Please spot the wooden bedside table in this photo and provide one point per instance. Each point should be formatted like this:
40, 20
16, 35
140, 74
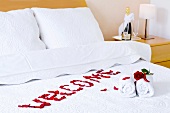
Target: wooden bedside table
160, 50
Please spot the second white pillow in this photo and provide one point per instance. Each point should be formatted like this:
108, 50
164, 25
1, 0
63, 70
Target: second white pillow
67, 27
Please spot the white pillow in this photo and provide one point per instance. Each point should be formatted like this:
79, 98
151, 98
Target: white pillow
67, 27
19, 32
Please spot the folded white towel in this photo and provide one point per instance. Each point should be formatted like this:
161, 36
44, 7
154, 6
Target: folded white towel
127, 86
145, 89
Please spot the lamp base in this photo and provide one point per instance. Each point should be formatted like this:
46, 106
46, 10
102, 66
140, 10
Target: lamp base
147, 38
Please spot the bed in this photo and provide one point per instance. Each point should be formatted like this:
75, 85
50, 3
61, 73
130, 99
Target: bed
76, 79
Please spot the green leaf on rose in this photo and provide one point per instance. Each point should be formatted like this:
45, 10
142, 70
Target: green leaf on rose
146, 71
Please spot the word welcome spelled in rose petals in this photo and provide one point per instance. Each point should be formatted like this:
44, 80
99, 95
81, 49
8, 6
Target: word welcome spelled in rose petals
57, 95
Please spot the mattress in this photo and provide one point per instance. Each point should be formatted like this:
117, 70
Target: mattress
90, 99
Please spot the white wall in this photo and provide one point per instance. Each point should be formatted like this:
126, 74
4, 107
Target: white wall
161, 25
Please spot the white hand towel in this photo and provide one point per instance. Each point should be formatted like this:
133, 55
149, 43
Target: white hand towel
145, 89
127, 86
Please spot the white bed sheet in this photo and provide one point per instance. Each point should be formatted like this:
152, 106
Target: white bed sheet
91, 100
43, 64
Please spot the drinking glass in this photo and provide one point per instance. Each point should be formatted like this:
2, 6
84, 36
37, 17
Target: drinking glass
135, 29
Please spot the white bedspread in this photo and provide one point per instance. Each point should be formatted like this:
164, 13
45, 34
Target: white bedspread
91, 100
20, 68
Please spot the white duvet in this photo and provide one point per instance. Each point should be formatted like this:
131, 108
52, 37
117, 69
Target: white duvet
52, 63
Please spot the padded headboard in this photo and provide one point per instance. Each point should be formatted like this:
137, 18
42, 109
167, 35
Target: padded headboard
6, 5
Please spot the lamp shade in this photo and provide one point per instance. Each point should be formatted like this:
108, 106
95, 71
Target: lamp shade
147, 11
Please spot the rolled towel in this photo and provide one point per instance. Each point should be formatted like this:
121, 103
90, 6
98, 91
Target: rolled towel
127, 86
144, 88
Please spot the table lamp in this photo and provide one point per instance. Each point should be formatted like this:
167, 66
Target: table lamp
147, 12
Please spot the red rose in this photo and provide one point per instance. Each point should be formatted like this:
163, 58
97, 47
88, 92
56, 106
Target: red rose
138, 75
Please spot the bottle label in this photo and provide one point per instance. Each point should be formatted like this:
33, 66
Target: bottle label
126, 36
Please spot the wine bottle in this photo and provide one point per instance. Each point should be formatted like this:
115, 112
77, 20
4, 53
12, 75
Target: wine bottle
127, 33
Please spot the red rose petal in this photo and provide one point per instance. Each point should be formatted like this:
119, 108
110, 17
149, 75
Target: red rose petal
145, 79
108, 73
41, 106
105, 89
24, 106
59, 99
63, 87
44, 95
118, 72
105, 76
79, 89
115, 88
125, 78
94, 80
99, 71
55, 92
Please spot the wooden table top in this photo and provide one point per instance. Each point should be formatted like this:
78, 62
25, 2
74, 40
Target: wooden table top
157, 41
